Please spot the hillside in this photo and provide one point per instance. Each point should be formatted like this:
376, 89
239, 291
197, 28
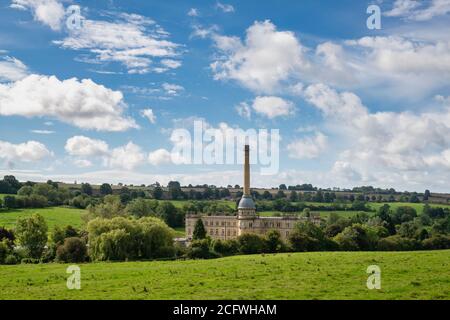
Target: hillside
330, 275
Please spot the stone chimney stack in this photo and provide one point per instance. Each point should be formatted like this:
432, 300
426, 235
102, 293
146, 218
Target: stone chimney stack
247, 170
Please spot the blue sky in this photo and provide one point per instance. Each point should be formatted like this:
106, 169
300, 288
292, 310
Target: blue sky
354, 106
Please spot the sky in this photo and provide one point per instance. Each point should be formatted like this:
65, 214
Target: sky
91, 91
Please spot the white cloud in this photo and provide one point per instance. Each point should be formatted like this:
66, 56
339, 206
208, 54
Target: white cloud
84, 103
82, 163
42, 131
132, 40
126, 157
193, 12
172, 89
266, 58
227, 8
408, 146
86, 147
160, 156
29, 151
402, 8
309, 147
243, 109
272, 107
48, 12
416, 10
148, 113
12, 69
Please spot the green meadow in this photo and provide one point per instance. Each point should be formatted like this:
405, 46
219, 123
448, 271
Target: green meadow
316, 275
54, 216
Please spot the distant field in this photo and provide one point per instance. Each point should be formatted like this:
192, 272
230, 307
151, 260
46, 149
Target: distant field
61, 216
181, 203
318, 275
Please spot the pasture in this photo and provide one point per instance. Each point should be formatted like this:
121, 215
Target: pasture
315, 275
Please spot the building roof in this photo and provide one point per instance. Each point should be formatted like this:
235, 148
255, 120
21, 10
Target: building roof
246, 203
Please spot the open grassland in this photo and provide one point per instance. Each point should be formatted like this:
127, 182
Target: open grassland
54, 216
320, 275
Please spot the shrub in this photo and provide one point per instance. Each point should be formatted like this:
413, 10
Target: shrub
251, 243
436, 242
73, 250
199, 249
6, 234
4, 250
11, 259
357, 237
397, 243
199, 230
226, 248
301, 242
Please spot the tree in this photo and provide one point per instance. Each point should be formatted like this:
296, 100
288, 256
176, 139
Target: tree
13, 182
282, 187
157, 193
251, 243
426, 195
86, 188
199, 230
293, 196
32, 234
170, 214
141, 207
9, 202
73, 250
174, 190
106, 189
274, 242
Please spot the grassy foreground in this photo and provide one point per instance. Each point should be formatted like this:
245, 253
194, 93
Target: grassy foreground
330, 275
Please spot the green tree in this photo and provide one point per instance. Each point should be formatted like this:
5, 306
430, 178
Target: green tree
106, 189
199, 230
86, 188
157, 193
32, 234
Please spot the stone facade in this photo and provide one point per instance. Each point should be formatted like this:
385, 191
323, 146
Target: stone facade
231, 227
246, 220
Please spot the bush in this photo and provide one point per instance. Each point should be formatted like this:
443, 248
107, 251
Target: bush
436, 242
11, 259
6, 234
73, 250
301, 242
199, 249
4, 250
397, 243
226, 248
274, 242
251, 243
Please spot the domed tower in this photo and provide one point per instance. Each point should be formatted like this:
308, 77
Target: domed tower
246, 208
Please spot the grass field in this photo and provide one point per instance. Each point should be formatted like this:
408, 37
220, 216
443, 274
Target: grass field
61, 216
330, 275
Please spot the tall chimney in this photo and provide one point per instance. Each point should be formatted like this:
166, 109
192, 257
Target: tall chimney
247, 171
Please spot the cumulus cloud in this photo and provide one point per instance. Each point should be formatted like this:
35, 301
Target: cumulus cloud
12, 69
243, 109
48, 12
125, 157
193, 12
262, 61
82, 163
172, 89
272, 107
381, 143
86, 147
227, 8
419, 10
29, 151
309, 147
81, 103
148, 113
160, 156
132, 40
